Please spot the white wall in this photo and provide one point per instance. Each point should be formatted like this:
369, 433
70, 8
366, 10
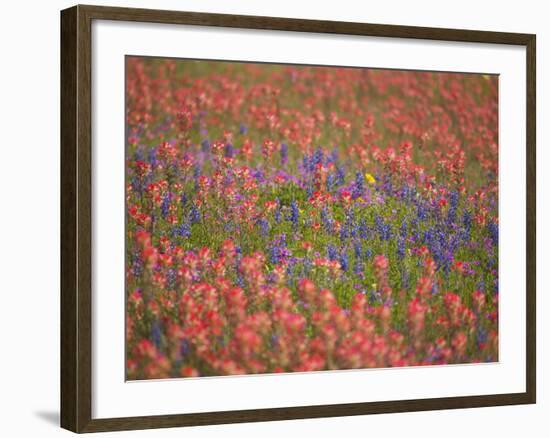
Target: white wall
29, 215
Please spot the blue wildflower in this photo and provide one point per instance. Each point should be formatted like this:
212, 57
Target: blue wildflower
284, 154
344, 261
184, 230
165, 206
332, 252
492, 228
358, 186
152, 157
294, 214
229, 150
384, 229
358, 249
277, 213
205, 146
194, 215
156, 333
331, 180
264, 227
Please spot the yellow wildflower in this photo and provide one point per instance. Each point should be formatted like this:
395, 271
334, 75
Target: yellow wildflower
369, 178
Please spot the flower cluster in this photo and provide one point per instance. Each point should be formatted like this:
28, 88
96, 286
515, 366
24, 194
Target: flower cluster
287, 218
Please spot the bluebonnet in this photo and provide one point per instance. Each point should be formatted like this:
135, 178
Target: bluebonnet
422, 211
290, 272
136, 185
284, 154
453, 206
294, 214
386, 185
240, 280
442, 246
184, 230
368, 253
332, 252
274, 256
403, 229
408, 193
481, 336
138, 154
344, 233
277, 213
152, 157
350, 225
184, 347
317, 158
264, 227
358, 249
165, 206
340, 175
383, 229
197, 169
258, 174
137, 264
434, 244
453, 242
373, 296
492, 228
277, 249
196, 174
344, 261
205, 146
305, 164
354, 229
467, 226
401, 247
156, 333
405, 277
171, 277
229, 150
363, 229
327, 221
401, 240
307, 264
333, 156
358, 186
194, 215
359, 268
331, 179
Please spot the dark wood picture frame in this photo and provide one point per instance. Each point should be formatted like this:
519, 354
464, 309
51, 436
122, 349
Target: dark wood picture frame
76, 218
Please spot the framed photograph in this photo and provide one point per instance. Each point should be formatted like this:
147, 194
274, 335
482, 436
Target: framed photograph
271, 218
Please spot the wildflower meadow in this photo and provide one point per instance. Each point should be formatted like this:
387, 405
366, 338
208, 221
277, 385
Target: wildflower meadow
284, 218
